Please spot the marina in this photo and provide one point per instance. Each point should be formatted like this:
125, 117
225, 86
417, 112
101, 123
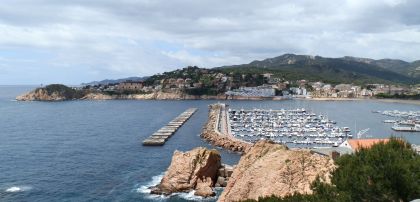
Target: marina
162, 135
295, 127
405, 121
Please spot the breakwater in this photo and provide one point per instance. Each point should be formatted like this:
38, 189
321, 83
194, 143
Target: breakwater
217, 131
162, 135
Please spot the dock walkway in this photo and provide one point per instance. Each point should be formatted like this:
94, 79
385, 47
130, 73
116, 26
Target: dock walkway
162, 135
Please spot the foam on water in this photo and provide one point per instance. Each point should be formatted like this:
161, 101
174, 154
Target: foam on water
191, 197
146, 189
18, 189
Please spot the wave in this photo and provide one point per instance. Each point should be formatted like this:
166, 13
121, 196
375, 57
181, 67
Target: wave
18, 189
145, 189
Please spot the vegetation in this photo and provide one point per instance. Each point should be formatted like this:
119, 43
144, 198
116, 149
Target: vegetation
63, 90
399, 96
124, 92
329, 70
209, 80
386, 172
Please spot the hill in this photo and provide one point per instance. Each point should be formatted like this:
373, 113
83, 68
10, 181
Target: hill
333, 70
113, 81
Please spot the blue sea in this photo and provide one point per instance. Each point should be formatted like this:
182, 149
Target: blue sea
92, 151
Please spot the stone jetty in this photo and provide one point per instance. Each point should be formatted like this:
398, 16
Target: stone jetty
162, 135
216, 130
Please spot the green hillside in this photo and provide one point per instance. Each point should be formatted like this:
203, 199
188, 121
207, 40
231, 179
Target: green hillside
333, 70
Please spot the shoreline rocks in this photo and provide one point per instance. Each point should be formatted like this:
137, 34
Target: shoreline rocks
225, 141
272, 169
223, 175
193, 170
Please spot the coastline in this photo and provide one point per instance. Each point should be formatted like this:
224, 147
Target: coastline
415, 102
44, 96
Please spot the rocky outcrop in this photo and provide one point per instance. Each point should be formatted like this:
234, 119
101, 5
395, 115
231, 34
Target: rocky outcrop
223, 175
97, 96
53, 92
215, 137
40, 94
193, 170
272, 169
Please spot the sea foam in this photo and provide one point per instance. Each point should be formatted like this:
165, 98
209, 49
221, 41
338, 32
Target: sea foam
18, 189
145, 189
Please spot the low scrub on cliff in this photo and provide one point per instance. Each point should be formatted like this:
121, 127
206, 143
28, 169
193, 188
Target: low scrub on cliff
386, 172
63, 90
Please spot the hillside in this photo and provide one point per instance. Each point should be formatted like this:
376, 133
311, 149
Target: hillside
333, 70
113, 81
399, 66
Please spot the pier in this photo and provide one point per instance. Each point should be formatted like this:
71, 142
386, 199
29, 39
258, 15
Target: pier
162, 135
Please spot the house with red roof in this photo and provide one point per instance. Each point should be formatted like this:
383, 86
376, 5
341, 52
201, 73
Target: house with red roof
356, 144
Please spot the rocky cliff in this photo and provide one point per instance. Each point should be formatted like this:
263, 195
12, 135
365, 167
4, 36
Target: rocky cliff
215, 137
53, 92
272, 169
193, 170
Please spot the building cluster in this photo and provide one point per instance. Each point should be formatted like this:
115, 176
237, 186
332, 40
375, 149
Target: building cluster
354, 91
321, 89
259, 91
249, 85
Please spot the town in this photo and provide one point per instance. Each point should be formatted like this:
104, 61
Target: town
200, 81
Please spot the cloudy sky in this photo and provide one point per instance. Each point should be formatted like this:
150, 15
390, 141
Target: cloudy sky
55, 41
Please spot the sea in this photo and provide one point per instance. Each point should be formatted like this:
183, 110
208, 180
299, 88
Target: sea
92, 150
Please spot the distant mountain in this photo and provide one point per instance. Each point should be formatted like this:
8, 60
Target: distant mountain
111, 81
399, 66
334, 70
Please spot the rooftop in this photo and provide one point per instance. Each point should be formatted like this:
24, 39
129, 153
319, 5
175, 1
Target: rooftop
357, 144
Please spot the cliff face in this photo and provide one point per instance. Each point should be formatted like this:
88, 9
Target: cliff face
52, 92
42, 95
271, 169
193, 170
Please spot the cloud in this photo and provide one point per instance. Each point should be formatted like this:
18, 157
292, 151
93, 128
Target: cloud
110, 39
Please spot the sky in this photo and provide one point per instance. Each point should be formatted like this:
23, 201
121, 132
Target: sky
70, 42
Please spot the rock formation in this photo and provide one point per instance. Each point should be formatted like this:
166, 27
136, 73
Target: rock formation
193, 170
271, 169
216, 138
225, 172
53, 92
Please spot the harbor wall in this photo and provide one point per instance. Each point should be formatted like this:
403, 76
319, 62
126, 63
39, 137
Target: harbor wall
212, 134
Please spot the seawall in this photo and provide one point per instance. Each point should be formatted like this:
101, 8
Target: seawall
217, 133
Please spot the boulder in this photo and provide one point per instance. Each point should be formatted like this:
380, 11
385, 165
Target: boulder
193, 170
220, 181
